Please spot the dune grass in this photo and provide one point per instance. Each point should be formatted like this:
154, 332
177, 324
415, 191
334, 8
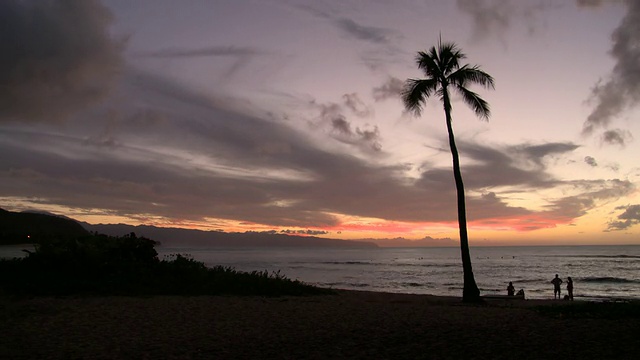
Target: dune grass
129, 265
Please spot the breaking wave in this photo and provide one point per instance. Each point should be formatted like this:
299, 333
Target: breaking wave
608, 279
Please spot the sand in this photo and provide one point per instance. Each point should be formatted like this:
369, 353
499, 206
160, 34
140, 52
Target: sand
349, 325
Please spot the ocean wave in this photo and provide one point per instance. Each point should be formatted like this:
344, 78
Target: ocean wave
332, 284
609, 279
350, 263
531, 281
392, 264
587, 256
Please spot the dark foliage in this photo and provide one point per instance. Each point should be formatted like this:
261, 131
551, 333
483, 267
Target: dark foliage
129, 265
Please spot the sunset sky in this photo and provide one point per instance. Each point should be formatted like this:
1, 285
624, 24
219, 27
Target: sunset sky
285, 115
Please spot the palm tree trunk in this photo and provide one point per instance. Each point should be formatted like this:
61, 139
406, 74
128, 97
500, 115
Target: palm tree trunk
470, 291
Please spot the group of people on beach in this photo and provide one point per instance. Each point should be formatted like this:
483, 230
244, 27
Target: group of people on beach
557, 290
557, 282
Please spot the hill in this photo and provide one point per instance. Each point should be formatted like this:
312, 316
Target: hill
23, 227
176, 237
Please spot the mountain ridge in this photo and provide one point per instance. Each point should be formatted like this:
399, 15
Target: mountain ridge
178, 237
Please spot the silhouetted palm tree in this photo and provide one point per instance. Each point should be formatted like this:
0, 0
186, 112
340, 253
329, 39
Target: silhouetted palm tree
441, 66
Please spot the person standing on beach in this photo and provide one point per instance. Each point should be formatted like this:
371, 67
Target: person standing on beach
511, 290
556, 287
570, 287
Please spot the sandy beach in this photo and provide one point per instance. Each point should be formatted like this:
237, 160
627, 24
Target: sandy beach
349, 325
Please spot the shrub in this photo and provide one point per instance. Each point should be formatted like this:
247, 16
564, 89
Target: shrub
129, 265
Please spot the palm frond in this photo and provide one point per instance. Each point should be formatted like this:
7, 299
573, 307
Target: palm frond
428, 62
477, 104
442, 67
450, 57
416, 92
471, 74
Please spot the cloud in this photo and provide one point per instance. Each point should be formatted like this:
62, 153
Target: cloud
489, 17
622, 89
591, 193
596, 3
616, 137
392, 88
353, 29
591, 161
365, 138
495, 17
341, 125
537, 153
304, 232
195, 158
612, 96
629, 218
56, 58
353, 102
369, 138
372, 34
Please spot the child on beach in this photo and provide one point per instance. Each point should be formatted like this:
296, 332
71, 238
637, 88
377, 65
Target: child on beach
510, 289
570, 287
556, 287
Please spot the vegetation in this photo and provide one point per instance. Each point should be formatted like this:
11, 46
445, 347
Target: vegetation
129, 265
443, 71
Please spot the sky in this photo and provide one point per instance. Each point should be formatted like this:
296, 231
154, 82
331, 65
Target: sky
285, 116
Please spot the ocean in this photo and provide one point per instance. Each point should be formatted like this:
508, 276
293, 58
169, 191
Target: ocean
598, 272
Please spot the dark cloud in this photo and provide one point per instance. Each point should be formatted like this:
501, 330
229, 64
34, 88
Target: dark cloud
304, 232
489, 16
622, 89
353, 102
595, 3
366, 33
589, 3
351, 28
195, 158
392, 88
495, 17
366, 138
56, 57
342, 126
616, 137
628, 218
591, 193
537, 153
591, 161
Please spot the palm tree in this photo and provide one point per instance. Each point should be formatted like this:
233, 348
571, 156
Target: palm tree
441, 66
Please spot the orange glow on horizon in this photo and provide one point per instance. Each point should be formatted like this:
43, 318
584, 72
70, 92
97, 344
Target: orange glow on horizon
531, 229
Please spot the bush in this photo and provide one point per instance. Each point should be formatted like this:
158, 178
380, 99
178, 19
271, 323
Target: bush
129, 265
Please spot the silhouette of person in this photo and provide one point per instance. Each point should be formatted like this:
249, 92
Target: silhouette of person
510, 289
570, 287
556, 287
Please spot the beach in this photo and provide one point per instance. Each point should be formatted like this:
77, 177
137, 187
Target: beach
348, 325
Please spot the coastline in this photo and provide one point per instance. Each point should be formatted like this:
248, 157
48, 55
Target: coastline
350, 324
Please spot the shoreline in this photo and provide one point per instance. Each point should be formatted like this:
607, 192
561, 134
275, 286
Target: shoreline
348, 325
